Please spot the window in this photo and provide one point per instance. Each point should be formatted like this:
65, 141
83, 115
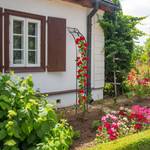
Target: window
24, 42
1, 41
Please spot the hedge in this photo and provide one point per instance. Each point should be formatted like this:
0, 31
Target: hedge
138, 141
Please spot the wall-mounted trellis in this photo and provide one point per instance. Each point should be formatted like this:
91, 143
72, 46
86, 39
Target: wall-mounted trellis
81, 69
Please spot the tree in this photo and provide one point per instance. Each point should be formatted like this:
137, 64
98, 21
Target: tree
136, 54
120, 35
147, 44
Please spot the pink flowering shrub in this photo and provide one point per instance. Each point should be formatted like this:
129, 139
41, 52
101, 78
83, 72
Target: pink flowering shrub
123, 122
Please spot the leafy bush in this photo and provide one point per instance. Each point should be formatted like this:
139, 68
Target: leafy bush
60, 138
96, 124
76, 135
108, 89
27, 121
139, 141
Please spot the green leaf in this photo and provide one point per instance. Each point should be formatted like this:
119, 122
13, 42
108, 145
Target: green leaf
10, 142
3, 134
27, 127
4, 98
11, 113
4, 106
2, 114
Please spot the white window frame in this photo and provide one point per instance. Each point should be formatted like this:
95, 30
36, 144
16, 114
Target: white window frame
12, 18
25, 41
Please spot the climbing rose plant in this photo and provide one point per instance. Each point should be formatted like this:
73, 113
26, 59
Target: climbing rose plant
123, 122
82, 70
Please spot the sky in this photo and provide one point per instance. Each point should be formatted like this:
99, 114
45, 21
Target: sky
138, 8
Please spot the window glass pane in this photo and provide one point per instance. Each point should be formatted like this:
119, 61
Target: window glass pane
32, 57
17, 27
32, 29
18, 57
32, 43
18, 42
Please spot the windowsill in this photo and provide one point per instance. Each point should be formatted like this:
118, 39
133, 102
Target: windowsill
25, 69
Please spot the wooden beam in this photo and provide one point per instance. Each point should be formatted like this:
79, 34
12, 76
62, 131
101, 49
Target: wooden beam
85, 3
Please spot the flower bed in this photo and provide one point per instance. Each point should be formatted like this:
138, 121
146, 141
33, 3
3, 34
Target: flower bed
138, 141
123, 122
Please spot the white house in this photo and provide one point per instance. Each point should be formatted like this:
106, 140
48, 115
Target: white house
34, 40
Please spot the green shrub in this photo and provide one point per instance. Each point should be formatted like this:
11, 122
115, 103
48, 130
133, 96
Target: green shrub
26, 119
76, 135
95, 124
139, 141
59, 139
108, 89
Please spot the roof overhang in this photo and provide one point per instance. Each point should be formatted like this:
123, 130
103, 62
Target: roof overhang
106, 5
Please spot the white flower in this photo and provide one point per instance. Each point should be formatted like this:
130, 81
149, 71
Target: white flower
121, 108
127, 109
125, 119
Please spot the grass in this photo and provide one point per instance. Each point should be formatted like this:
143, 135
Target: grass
138, 141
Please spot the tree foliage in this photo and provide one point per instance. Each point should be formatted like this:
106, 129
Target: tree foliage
120, 34
141, 53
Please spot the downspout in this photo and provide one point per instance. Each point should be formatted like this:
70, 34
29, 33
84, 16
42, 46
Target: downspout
96, 5
89, 41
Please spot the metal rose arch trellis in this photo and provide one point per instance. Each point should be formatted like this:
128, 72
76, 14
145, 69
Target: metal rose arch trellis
81, 69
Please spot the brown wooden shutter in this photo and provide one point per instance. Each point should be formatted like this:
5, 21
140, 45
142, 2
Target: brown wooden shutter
1, 36
56, 44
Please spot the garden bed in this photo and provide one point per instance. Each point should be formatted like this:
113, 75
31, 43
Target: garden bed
138, 141
87, 135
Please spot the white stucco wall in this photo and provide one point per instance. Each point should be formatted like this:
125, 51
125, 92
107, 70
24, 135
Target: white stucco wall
76, 16
98, 63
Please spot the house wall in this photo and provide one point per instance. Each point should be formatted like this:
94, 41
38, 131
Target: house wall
98, 63
76, 16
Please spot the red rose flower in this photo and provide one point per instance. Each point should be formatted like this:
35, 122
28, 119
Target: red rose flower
79, 71
86, 44
85, 67
85, 58
85, 49
78, 76
85, 83
81, 91
79, 63
82, 53
77, 41
86, 75
82, 38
